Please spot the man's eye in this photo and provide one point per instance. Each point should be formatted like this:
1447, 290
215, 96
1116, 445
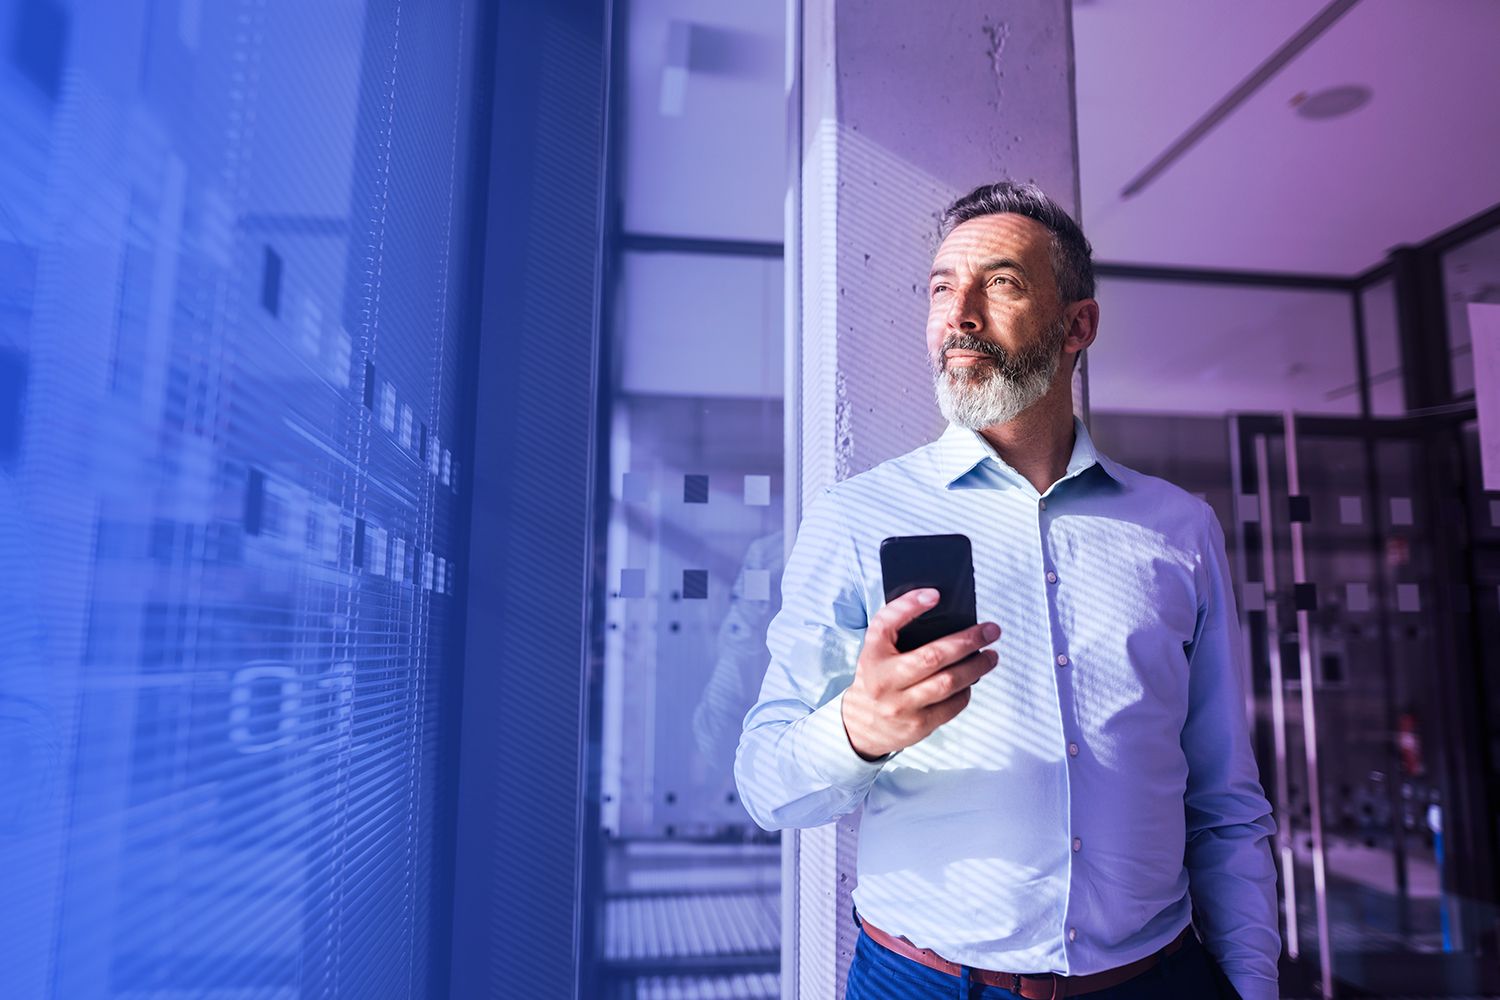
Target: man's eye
1001, 279
939, 288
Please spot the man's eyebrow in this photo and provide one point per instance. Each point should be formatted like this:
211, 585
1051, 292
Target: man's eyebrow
993, 264
999, 263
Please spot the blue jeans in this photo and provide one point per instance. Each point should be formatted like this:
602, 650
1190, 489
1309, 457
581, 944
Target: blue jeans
1189, 973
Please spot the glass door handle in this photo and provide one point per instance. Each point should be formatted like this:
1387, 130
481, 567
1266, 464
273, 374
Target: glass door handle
1309, 711
1284, 853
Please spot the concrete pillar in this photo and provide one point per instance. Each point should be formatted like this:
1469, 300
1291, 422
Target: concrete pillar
897, 108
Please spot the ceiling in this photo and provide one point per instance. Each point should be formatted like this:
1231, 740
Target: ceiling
1267, 189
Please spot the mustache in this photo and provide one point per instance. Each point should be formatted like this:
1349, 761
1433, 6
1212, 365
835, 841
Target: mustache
1010, 365
967, 342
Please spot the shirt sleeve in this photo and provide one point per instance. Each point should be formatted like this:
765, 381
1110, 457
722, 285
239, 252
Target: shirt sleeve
1231, 871
794, 766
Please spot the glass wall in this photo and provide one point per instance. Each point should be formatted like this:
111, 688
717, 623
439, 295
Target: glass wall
1382, 348
1360, 554
1196, 347
229, 361
1175, 358
689, 904
1471, 273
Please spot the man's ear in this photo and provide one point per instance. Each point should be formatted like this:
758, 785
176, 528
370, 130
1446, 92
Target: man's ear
1083, 327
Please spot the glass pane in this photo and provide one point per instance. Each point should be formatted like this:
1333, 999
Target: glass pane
704, 143
230, 363
1471, 273
1394, 768
1383, 347
694, 567
1381, 789
689, 902
1172, 347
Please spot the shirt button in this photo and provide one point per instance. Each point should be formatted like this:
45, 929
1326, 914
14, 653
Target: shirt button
1072, 749
1051, 577
1072, 933
1044, 504
1077, 844
1062, 659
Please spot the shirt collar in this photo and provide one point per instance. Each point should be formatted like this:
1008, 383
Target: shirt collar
960, 450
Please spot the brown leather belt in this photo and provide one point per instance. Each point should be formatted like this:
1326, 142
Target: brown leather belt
1033, 986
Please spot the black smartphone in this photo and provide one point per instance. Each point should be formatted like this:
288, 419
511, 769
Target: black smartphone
910, 562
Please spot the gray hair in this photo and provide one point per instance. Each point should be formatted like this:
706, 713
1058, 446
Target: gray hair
1072, 256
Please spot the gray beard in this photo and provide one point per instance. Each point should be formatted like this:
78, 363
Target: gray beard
997, 391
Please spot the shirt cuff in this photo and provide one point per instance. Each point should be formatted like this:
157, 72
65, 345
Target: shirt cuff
826, 749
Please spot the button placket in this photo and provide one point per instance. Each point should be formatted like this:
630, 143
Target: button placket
1062, 661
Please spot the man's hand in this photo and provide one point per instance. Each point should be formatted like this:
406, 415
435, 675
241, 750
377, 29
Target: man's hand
898, 698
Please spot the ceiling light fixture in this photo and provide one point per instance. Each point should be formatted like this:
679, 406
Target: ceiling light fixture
1332, 102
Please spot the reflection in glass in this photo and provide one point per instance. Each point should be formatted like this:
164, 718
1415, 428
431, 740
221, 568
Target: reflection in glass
688, 898
695, 548
229, 372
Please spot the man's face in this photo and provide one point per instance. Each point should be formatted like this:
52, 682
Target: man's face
995, 321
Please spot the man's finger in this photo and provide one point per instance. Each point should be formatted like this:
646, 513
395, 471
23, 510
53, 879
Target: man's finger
952, 679
944, 711
928, 659
895, 614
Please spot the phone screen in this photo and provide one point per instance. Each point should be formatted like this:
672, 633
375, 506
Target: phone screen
909, 562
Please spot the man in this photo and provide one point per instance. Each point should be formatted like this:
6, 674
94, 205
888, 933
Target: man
1045, 817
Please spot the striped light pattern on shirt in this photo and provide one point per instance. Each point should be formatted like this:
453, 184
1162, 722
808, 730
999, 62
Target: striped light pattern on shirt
1099, 786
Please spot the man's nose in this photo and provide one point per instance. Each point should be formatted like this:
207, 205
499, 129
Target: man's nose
966, 312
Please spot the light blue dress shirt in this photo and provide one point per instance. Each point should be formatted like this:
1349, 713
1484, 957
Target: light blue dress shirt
1099, 786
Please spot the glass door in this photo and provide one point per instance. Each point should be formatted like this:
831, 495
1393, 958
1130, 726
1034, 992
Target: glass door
1364, 586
